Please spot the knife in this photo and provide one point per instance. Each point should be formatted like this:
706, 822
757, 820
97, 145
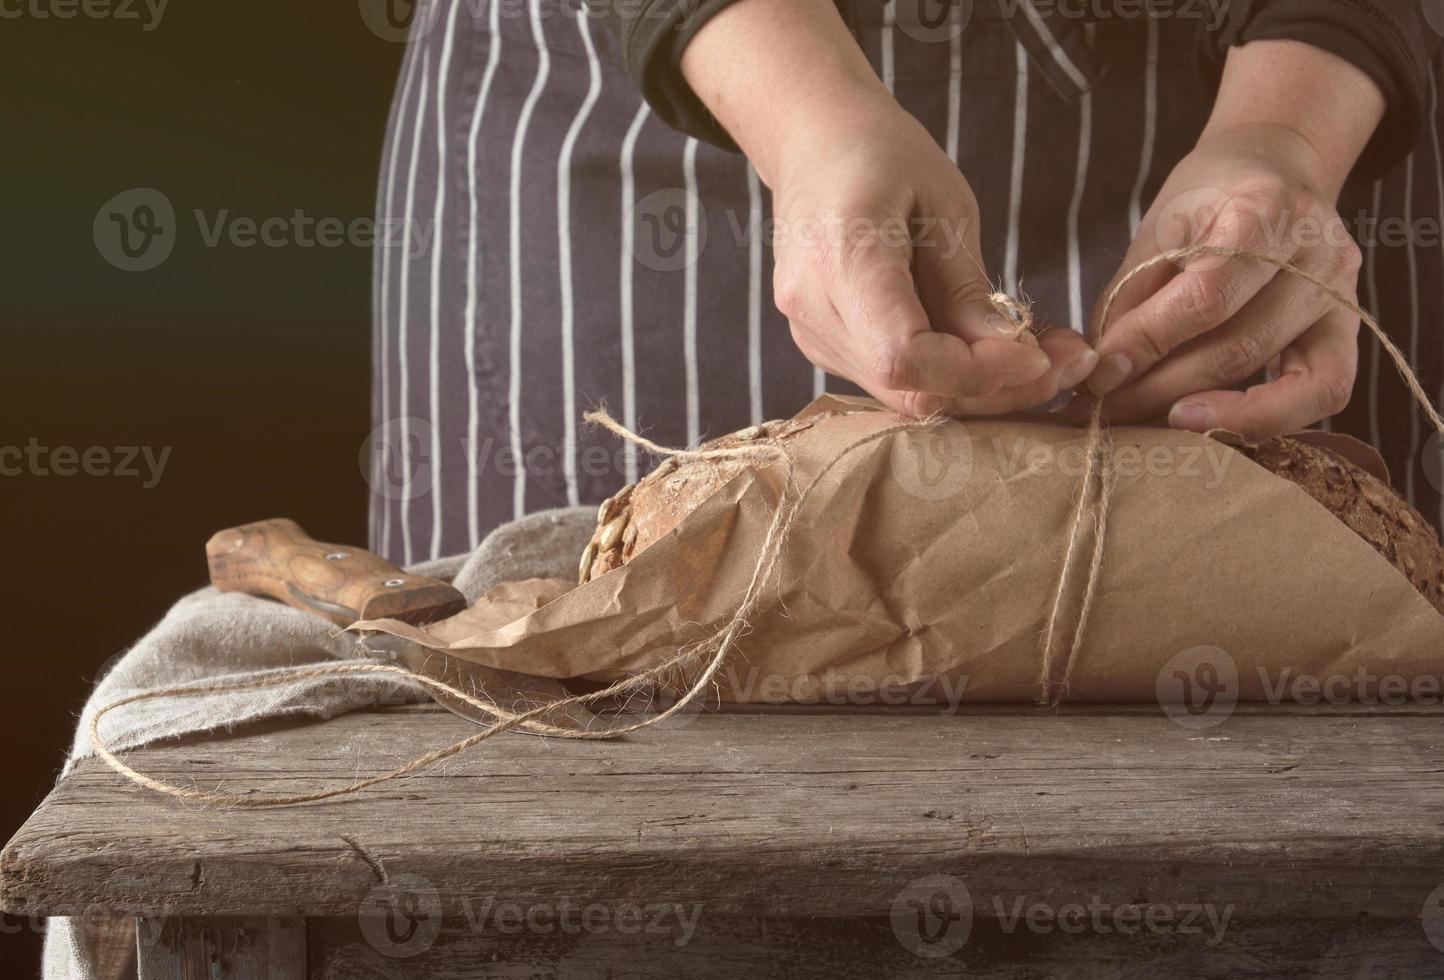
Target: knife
277, 559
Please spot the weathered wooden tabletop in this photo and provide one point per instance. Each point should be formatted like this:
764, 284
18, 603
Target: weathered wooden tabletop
823, 841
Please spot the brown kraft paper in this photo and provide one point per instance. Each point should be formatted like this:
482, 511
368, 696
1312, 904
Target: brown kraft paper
929, 559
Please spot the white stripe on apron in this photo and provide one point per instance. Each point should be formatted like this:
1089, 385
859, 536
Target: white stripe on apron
1150, 127
434, 358
402, 345
383, 310
629, 236
528, 107
473, 237
564, 255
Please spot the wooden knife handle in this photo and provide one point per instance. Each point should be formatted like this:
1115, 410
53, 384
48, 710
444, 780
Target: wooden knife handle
276, 558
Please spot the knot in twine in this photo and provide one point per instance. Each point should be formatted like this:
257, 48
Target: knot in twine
1095, 493
1018, 313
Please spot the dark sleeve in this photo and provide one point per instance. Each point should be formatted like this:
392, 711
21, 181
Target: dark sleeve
1389, 40
652, 35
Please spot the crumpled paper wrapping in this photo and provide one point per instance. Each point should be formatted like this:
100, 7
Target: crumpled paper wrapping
927, 562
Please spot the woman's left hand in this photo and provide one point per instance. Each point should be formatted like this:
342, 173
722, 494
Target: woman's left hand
1289, 123
1180, 338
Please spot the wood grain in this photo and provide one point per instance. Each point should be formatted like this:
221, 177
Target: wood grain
826, 949
1331, 815
222, 949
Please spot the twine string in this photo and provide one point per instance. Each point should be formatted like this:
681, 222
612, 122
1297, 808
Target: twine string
714, 649
1095, 494
1090, 517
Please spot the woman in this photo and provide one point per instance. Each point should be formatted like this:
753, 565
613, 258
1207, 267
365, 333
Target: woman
595, 238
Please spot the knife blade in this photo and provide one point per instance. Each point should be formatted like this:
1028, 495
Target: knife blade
277, 559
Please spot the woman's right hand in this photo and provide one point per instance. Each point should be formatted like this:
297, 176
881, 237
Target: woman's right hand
878, 270
876, 231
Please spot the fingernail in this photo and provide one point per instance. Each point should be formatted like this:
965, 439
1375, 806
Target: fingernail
1111, 372
1193, 416
1000, 325
1081, 367
1037, 365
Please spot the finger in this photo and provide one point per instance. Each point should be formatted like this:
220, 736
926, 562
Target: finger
816, 338
956, 293
1315, 381
1072, 360
894, 348
1232, 353
917, 404
1206, 293
1133, 292
952, 280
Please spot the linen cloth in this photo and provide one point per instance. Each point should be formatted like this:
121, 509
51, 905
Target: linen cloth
210, 636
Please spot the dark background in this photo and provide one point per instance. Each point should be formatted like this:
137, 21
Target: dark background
252, 364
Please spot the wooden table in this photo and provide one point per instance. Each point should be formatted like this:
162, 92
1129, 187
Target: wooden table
997, 842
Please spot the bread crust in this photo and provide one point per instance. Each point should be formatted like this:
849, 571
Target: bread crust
642, 513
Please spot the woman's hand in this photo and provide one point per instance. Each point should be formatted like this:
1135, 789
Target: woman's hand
1179, 339
877, 251
876, 239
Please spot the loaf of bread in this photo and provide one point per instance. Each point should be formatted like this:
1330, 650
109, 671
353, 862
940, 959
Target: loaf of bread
645, 512
1366, 505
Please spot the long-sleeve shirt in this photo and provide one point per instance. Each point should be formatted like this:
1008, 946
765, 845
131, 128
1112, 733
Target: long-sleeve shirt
1392, 41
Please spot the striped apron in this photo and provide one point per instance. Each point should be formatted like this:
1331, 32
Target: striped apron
553, 246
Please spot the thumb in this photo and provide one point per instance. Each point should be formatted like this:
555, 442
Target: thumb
955, 289
960, 300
